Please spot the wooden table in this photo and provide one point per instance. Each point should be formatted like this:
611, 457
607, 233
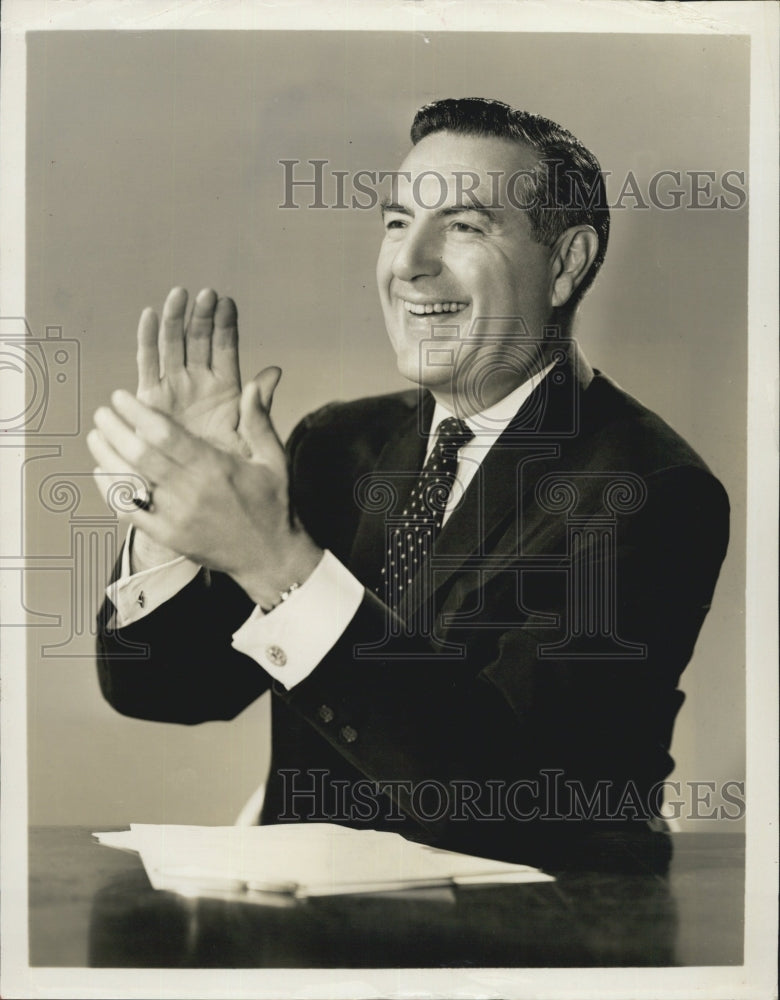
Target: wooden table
93, 906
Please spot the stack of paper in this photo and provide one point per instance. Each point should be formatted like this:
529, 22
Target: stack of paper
307, 859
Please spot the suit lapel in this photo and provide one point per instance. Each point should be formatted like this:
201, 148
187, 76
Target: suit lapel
384, 490
529, 448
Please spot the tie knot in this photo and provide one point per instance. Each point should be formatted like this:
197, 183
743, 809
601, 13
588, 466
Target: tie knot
454, 432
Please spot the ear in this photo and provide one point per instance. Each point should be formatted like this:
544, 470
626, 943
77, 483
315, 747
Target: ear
572, 255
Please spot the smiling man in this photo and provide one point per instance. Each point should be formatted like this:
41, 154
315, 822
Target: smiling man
472, 253
472, 601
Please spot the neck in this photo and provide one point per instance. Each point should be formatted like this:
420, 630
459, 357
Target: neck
467, 400
465, 404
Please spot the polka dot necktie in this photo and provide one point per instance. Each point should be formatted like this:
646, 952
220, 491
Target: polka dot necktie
411, 541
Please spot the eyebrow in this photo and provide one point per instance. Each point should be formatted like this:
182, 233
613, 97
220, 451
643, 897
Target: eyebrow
486, 213
393, 206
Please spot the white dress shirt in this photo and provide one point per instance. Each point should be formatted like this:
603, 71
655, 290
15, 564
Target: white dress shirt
328, 600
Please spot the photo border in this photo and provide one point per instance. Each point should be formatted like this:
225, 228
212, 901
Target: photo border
757, 977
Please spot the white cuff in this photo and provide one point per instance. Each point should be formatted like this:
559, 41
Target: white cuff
291, 640
135, 595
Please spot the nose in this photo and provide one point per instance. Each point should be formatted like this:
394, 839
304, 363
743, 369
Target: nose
418, 255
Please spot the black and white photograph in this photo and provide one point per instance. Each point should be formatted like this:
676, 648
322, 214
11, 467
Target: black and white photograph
389, 496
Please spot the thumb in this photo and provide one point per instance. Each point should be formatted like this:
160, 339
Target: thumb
267, 380
255, 421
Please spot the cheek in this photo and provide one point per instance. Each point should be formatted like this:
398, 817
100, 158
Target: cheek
382, 271
519, 290
384, 262
487, 277
498, 292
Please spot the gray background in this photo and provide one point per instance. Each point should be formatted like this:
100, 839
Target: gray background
152, 160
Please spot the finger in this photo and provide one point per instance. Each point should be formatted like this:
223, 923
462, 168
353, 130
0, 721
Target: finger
268, 380
117, 492
104, 482
255, 423
123, 483
200, 329
148, 356
136, 452
112, 463
224, 344
172, 331
157, 429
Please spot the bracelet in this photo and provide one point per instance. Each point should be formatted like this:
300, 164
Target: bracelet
284, 595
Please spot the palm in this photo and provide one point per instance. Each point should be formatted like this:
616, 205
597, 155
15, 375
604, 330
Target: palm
192, 373
206, 405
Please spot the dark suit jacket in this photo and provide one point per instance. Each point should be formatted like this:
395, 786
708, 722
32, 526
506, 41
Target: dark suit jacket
563, 601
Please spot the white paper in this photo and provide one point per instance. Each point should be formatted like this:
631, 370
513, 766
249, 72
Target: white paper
307, 859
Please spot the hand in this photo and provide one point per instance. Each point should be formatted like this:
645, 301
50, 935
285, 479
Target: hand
225, 511
191, 373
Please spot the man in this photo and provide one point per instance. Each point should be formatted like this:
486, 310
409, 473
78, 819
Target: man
472, 602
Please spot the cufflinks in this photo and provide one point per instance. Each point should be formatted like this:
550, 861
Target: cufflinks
276, 655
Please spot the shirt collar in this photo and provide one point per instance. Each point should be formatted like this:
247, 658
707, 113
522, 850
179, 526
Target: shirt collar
490, 424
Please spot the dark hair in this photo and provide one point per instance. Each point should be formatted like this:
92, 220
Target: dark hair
568, 187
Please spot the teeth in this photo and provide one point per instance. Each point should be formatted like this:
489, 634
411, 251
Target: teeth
433, 307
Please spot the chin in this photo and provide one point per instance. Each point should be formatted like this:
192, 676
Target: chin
425, 377
411, 372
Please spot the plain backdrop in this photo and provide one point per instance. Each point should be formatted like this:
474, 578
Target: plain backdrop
153, 160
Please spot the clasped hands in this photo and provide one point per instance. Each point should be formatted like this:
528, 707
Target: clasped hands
208, 452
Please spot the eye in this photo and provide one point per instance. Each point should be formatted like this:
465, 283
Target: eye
464, 227
395, 223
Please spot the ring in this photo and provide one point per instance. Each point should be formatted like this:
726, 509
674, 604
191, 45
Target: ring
142, 498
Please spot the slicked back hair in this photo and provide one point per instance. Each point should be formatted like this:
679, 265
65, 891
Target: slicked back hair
568, 188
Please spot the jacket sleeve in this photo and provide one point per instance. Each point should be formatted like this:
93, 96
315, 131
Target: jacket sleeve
177, 664
507, 711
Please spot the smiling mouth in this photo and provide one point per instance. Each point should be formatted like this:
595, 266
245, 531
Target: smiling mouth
429, 308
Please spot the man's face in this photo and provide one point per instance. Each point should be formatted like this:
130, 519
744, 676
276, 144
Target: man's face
444, 264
